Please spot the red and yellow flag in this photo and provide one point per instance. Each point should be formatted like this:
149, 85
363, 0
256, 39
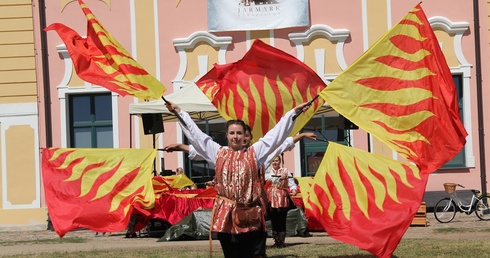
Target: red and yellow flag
401, 91
160, 185
96, 188
168, 183
261, 87
101, 60
365, 199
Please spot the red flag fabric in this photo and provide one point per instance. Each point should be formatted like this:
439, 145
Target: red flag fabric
101, 60
96, 188
401, 91
365, 199
261, 87
210, 192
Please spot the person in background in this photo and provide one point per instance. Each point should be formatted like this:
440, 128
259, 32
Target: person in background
278, 197
179, 171
237, 179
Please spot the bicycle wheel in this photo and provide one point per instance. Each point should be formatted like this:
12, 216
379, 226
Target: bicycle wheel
482, 208
445, 210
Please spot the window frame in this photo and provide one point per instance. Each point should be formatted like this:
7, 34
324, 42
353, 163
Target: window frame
93, 124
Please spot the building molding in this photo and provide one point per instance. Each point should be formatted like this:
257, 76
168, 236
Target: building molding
465, 71
189, 43
14, 115
339, 35
64, 91
452, 28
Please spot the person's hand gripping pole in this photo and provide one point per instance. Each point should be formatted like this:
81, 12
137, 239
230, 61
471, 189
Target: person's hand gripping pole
305, 107
173, 108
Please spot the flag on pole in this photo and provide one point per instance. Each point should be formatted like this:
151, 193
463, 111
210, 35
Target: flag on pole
365, 199
261, 87
96, 188
401, 91
101, 60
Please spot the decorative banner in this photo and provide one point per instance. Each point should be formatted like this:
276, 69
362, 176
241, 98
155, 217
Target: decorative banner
96, 188
401, 91
261, 87
364, 199
101, 60
233, 15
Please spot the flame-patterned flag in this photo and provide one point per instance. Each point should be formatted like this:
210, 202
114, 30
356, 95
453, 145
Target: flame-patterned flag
101, 60
365, 199
305, 184
96, 188
401, 91
160, 185
261, 87
168, 183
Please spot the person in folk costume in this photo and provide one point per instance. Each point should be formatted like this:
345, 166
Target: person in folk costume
278, 196
237, 179
260, 249
247, 141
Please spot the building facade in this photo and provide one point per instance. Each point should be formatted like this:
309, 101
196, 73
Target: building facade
43, 103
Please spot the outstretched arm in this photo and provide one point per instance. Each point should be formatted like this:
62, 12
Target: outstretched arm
176, 147
193, 155
288, 145
203, 144
277, 135
308, 135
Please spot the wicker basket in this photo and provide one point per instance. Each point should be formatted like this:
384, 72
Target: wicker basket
449, 187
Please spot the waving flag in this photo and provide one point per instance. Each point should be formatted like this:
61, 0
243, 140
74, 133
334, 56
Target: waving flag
168, 183
96, 188
101, 60
160, 185
261, 87
401, 91
365, 199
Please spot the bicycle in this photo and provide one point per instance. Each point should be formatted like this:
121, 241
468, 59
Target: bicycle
446, 208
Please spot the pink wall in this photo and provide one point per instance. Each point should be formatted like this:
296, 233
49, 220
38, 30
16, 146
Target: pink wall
190, 16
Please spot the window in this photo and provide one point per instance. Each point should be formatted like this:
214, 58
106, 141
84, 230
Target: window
90, 122
199, 170
459, 160
312, 152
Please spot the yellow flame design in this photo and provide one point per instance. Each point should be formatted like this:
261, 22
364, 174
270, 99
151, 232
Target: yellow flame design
287, 98
127, 160
352, 102
365, 162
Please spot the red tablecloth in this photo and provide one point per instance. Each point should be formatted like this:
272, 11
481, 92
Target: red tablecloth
177, 205
174, 206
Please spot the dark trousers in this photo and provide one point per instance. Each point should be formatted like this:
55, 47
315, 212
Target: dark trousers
260, 245
240, 245
278, 219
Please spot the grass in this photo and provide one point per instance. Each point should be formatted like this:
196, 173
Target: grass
45, 241
433, 248
460, 230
